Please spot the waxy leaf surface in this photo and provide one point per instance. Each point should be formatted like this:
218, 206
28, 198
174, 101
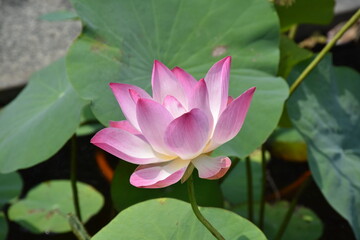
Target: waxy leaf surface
121, 39
325, 110
40, 120
166, 218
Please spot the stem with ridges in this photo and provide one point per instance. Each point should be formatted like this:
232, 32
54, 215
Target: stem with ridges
249, 189
326, 49
195, 208
291, 209
73, 176
263, 187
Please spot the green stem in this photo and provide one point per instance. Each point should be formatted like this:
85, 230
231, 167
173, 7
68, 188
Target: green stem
326, 49
292, 31
263, 186
195, 208
77, 228
249, 189
291, 209
73, 176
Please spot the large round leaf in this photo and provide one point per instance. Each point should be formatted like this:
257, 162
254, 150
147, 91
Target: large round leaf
122, 38
3, 226
40, 120
45, 207
173, 219
325, 110
304, 223
208, 192
10, 187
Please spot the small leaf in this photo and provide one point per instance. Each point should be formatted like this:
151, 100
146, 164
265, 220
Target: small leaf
163, 219
46, 206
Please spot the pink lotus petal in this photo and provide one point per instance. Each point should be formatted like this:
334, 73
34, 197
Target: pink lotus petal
165, 83
159, 175
173, 106
187, 81
125, 145
232, 119
187, 135
230, 99
124, 94
211, 167
153, 119
217, 81
124, 125
134, 95
199, 98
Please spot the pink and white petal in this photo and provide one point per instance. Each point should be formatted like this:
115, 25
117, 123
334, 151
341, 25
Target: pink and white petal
232, 119
125, 145
211, 167
124, 125
188, 134
173, 106
187, 81
199, 98
165, 83
153, 119
159, 175
124, 94
217, 81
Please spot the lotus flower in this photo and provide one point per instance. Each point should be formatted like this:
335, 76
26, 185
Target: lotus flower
181, 124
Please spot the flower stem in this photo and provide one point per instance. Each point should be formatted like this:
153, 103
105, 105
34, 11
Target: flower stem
291, 209
292, 31
263, 186
326, 49
195, 208
249, 189
73, 176
77, 228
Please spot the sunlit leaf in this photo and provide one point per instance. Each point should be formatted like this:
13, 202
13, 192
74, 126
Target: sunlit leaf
164, 218
40, 120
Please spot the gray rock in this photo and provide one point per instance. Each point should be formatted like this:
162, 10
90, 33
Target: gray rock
27, 43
